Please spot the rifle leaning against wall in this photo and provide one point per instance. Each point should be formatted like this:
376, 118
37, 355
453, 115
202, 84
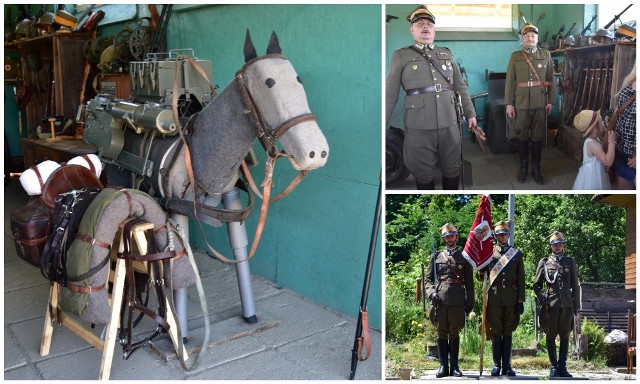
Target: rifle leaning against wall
363, 316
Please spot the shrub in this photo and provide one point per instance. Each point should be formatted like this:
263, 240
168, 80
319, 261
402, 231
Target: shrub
596, 344
403, 317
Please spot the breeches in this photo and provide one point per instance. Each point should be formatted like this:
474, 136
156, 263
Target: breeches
450, 320
531, 124
560, 322
502, 319
422, 148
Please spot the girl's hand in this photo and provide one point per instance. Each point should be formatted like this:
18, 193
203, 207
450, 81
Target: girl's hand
611, 137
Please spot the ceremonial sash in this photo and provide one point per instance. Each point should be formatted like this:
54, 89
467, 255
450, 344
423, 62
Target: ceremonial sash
504, 260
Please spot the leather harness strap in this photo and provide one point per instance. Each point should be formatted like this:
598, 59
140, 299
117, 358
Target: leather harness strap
365, 338
39, 176
82, 289
88, 239
90, 163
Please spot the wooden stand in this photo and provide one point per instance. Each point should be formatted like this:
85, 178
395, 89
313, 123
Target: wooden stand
117, 276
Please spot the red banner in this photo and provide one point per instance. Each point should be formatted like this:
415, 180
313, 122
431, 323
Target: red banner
479, 246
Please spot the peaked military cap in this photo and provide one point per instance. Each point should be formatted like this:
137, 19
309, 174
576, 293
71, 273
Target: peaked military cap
421, 12
448, 229
528, 27
556, 237
502, 227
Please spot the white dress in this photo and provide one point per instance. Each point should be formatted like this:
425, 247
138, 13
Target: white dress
591, 174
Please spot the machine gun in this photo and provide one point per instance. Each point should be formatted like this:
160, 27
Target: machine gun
588, 27
581, 39
150, 113
616, 17
557, 38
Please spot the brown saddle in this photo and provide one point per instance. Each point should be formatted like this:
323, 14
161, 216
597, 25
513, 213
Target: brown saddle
66, 179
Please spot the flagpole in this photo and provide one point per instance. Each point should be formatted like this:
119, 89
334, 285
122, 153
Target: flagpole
483, 324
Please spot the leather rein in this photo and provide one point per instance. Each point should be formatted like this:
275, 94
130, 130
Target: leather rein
267, 139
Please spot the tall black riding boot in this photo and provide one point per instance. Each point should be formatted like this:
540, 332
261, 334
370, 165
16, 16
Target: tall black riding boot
551, 351
562, 359
523, 154
496, 349
536, 156
507, 341
425, 186
450, 183
454, 349
443, 352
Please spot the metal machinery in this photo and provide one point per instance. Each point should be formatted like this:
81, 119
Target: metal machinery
149, 113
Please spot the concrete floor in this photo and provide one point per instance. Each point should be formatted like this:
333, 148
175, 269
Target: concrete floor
295, 338
499, 172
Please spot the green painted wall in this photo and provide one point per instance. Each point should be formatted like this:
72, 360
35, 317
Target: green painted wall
477, 55
316, 240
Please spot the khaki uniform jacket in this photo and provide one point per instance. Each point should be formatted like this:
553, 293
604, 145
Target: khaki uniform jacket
508, 288
518, 71
563, 291
409, 70
453, 281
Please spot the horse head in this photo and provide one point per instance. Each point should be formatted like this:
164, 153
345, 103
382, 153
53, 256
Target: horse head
274, 92
265, 100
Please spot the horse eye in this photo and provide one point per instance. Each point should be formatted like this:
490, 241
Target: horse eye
299, 80
270, 82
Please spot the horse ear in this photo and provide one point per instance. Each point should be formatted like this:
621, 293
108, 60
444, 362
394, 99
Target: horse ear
249, 50
274, 44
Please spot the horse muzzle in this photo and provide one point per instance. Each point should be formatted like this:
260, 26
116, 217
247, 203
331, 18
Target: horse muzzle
306, 146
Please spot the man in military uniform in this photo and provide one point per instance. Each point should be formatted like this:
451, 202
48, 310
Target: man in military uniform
449, 286
431, 78
530, 93
505, 297
560, 301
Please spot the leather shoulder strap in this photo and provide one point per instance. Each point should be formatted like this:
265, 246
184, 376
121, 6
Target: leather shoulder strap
430, 60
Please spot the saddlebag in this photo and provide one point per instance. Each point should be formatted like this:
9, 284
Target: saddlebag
30, 229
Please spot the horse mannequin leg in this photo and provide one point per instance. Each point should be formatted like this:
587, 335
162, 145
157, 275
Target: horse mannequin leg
180, 295
238, 240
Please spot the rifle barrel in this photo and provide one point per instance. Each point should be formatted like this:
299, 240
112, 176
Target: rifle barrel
616, 17
588, 27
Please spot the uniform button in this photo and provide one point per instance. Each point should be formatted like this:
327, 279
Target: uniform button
435, 78
437, 95
433, 70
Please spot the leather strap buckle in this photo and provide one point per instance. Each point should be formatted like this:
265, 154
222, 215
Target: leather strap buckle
438, 87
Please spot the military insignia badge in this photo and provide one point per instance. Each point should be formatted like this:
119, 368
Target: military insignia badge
539, 65
415, 66
444, 67
566, 270
459, 266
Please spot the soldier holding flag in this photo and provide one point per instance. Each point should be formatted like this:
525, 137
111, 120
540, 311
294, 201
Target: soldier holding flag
449, 286
505, 297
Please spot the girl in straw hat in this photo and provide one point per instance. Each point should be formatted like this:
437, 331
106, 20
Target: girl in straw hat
592, 174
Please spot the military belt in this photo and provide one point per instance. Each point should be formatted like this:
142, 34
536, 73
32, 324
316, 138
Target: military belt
509, 282
451, 281
534, 84
432, 88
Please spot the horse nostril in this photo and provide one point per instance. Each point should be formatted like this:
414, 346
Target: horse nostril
323, 154
270, 82
312, 154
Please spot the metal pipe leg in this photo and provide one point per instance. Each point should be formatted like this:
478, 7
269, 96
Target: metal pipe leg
180, 295
238, 240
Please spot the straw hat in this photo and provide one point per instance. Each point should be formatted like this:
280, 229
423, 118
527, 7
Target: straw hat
586, 120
